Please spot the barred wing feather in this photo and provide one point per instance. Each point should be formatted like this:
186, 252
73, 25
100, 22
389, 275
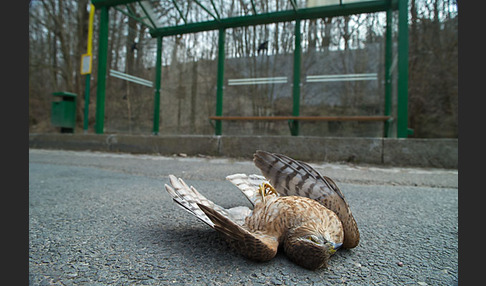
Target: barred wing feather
294, 178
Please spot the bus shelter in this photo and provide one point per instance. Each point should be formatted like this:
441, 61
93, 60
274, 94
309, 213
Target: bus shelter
296, 11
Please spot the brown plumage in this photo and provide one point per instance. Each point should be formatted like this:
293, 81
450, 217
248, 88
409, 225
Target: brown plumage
291, 177
307, 229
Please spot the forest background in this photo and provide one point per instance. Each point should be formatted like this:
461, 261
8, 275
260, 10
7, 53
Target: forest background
353, 44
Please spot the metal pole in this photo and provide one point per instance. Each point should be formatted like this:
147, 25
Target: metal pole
158, 74
357, 7
102, 58
294, 128
88, 76
220, 80
402, 104
86, 103
388, 77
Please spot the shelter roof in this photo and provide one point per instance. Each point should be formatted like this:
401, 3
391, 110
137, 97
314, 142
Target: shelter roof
173, 17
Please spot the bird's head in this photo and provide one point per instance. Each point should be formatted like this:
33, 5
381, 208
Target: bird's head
309, 249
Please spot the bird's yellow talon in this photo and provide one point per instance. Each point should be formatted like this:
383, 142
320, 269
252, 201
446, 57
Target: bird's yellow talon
266, 189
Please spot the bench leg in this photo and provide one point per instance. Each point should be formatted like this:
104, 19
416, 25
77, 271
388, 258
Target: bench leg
294, 127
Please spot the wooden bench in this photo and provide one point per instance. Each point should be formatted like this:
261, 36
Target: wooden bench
302, 118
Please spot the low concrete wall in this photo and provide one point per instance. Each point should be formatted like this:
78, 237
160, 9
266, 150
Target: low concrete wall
439, 153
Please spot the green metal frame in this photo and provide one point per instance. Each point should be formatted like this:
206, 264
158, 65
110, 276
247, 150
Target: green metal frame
295, 14
388, 71
133, 16
158, 75
275, 17
102, 59
402, 102
220, 81
294, 124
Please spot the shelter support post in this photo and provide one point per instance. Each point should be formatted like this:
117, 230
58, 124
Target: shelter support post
402, 102
86, 103
220, 81
388, 71
294, 124
89, 51
158, 74
102, 58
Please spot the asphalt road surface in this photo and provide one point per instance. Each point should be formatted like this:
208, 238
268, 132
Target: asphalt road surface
105, 219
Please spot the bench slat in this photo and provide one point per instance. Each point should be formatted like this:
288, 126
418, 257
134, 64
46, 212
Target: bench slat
302, 118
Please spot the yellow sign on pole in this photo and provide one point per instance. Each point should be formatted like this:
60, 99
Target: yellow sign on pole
86, 60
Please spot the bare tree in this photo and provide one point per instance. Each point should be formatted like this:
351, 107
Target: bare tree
51, 25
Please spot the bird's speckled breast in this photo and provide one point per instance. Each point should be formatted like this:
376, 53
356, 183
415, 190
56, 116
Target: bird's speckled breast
278, 214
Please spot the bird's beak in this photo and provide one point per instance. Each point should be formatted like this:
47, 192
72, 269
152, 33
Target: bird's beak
335, 247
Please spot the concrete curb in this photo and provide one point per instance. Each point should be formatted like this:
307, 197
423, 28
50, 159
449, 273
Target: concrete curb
437, 153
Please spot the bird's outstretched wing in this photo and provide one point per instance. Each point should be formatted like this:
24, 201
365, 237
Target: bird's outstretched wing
294, 178
248, 185
190, 199
254, 245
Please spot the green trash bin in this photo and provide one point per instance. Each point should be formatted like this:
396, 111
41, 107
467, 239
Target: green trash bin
64, 111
